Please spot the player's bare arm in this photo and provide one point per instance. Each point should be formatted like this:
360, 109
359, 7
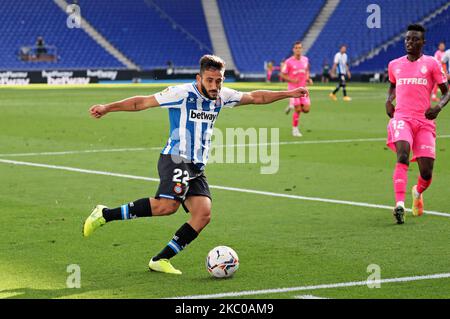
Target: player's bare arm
310, 81
390, 109
433, 111
333, 70
135, 103
266, 97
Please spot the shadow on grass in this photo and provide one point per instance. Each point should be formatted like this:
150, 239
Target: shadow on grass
31, 293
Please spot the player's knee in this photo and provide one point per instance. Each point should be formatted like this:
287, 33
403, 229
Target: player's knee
204, 217
305, 108
403, 157
426, 175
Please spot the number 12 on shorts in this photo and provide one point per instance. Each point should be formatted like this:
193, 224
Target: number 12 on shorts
398, 125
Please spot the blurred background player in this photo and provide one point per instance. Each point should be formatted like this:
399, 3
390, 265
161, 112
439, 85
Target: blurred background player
412, 125
325, 72
446, 63
439, 54
341, 66
295, 71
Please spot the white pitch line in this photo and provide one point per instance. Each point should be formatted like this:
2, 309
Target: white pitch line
303, 288
233, 189
111, 150
158, 148
309, 297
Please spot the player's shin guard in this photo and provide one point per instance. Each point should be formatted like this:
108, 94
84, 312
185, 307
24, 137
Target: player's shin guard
295, 119
182, 238
139, 208
422, 184
400, 179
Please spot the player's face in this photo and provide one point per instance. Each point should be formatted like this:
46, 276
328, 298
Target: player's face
414, 42
442, 47
343, 50
210, 83
297, 50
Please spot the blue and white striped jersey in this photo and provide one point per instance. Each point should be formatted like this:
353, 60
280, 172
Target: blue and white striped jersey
341, 60
192, 117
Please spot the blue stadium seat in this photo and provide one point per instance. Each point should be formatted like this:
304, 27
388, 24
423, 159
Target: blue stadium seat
148, 37
437, 31
347, 25
264, 30
24, 21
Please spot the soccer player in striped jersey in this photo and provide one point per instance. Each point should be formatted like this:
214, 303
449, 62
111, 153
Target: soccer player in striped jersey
193, 109
411, 125
343, 72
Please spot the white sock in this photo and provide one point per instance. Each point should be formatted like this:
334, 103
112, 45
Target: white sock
416, 193
400, 203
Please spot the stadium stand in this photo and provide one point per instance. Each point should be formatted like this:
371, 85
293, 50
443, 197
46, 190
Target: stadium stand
347, 25
24, 21
264, 30
437, 31
152, 32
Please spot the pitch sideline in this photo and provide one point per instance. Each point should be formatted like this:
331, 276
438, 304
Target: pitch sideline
234, 189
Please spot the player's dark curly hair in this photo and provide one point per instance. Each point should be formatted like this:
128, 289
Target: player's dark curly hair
211, 62
416, 27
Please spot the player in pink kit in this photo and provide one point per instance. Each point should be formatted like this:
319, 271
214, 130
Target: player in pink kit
438, 55
412, 125
295, 71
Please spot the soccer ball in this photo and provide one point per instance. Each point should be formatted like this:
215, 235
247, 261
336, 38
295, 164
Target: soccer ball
222, 262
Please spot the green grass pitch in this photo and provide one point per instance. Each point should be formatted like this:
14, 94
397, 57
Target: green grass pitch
281, 242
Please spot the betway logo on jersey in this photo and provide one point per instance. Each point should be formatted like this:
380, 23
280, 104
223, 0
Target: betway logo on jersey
202, 116
420, 81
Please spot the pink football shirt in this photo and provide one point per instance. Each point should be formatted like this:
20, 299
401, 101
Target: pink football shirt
414, 82
296, 69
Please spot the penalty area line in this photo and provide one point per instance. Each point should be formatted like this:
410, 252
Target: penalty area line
232, 189
315, 287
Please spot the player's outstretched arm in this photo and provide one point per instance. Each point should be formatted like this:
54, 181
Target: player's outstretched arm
135, 103
266, 97
390, 109
433, 111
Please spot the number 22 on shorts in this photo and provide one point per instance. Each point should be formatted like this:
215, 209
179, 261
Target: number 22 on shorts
180, 176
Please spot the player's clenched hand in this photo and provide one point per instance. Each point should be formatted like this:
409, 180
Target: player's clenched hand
299, 92
432, 112
390, 109
98, 110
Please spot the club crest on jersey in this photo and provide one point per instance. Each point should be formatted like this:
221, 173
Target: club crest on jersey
218, 101
202, 116
424, 69
178, 188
